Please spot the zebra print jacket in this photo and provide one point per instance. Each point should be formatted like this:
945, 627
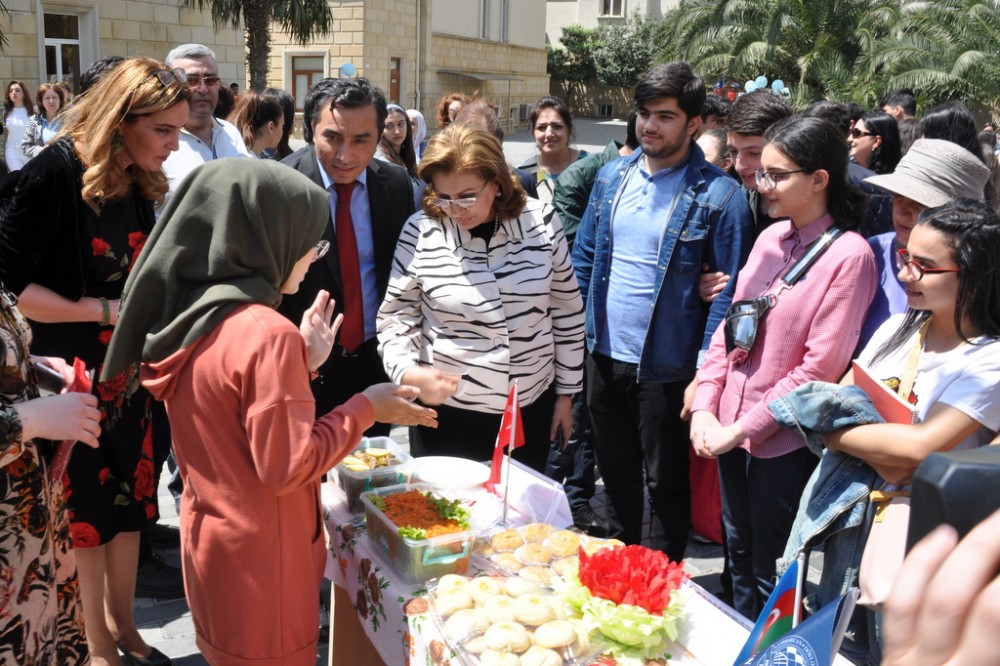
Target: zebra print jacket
508, 312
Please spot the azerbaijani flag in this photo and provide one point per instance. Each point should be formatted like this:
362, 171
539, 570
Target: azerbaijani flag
511, 435
781, 612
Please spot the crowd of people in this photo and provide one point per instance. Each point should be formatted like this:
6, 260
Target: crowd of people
244, 313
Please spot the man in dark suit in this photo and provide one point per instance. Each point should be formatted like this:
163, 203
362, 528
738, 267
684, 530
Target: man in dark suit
370, 201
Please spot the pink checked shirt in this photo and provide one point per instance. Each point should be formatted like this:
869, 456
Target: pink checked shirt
809, 335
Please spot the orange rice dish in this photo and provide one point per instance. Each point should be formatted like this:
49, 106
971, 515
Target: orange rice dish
413, 509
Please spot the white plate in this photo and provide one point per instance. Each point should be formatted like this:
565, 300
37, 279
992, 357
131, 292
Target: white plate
449, 472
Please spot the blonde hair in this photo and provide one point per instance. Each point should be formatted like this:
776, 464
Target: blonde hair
126, 93
463, 148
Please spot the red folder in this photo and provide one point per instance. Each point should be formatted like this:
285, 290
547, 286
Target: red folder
888, 403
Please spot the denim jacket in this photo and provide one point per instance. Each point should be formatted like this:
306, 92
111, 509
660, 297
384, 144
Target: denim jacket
710, 223
834, 511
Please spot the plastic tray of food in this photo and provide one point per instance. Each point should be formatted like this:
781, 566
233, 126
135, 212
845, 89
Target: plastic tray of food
537, 552
414, 556
493, 620
376, 462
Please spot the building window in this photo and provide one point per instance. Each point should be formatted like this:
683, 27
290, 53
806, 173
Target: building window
484, 25
306, 72
605, 110
612, 7
62, 48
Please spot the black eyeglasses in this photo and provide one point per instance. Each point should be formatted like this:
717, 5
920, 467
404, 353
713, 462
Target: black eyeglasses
770, 179
464, 202
915, 270
857, 134
195, 80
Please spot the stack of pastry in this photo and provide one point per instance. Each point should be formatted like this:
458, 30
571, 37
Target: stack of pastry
501, 621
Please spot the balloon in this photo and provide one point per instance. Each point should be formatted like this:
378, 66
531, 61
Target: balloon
777, 85
348, 70
749, 86
761, 81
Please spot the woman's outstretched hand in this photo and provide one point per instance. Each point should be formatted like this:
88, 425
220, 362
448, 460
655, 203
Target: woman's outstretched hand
319, 329
394, 404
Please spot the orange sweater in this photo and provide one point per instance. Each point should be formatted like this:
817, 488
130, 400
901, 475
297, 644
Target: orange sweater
251, 456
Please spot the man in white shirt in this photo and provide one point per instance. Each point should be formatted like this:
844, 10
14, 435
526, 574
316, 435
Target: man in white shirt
204, 137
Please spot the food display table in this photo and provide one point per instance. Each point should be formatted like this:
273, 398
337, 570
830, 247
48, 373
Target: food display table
378, 618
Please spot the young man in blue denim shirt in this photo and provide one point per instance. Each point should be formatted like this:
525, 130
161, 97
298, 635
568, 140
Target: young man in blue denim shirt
653, 219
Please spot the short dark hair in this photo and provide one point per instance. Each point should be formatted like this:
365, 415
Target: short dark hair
952, 121
479, 113
886, 156
837, 113
631, 140
97, 71
752, 114
346, 93
553, 102
715, 105
814, 144
903, 97
676, 80
284, 98
909, 131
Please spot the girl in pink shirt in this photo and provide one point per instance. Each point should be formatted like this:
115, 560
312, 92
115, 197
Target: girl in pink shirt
807, 334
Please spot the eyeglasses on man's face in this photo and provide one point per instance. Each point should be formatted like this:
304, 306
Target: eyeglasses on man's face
770, 179
464, 202
195, 80
915, 270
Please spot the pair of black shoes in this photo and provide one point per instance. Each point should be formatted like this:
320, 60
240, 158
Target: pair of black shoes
156, 577
155, 658
586, 520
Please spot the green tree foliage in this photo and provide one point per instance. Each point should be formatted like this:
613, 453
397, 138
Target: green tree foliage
626, 50
302, 20
573, 64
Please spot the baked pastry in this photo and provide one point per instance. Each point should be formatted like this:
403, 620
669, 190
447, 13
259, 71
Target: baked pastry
465, 623
507, 636
447, 603
449, 582
536, 532
495, 658
565, 566
538, 574
533, 609
555, 634
533, 553
562, 543
507, 562
537, 655
516, 587
499, 608
475, 645
483, 587
506, 541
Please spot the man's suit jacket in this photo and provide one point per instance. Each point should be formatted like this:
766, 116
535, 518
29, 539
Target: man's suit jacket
390, 197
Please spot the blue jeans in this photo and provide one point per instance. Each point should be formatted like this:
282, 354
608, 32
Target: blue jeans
637, 429
760, 497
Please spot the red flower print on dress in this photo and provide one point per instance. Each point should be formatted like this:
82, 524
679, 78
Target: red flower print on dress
104, 475
105, 337
143, 479
136, 241
84, 535
114, 388
150, 510
100, 247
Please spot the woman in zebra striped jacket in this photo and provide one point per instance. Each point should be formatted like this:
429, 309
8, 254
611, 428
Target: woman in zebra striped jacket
482, 295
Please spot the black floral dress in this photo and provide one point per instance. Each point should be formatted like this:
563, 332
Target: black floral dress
110, 489
41, 618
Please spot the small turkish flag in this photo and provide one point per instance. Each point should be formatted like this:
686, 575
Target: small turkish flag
511, 434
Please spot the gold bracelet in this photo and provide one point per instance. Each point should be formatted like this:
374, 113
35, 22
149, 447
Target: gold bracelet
105, 311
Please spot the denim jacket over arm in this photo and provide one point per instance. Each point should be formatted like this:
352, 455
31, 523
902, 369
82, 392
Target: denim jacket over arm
834, 511
711, 223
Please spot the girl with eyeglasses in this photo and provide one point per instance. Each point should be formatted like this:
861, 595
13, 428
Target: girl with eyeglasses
950, 336
234, 375
482, 294
780, 333
75, 221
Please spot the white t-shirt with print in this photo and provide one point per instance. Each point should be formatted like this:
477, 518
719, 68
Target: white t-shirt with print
966, 378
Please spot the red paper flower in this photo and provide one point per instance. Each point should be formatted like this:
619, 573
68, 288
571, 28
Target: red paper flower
632, 575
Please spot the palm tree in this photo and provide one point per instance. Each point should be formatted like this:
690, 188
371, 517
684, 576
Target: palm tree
947, 49
807, 43
300, 19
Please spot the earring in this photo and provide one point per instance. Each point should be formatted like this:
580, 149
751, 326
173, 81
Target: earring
499, 191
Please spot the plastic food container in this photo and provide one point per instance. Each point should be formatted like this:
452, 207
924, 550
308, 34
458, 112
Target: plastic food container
415, 560
355, 483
